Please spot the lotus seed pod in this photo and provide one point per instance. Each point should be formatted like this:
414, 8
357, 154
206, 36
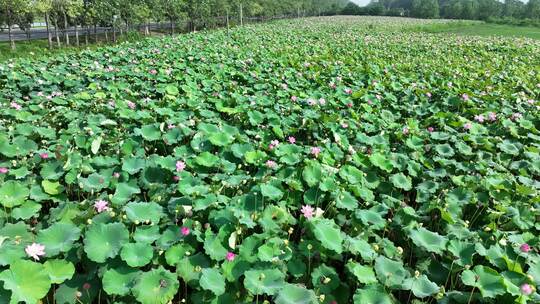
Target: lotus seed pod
137, 222
89, 221
321, 298
417, 274
160, 252
262, 276
502, 242
124, 217
112, 213
309, 247
327, 280
400, 250
487, 229
198, 268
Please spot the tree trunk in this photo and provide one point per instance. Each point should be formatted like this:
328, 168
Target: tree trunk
95, 33
56, 33
241, 15
227, 19
77, 34
11, 41
49, 36
113, 33
172, 26
106, 35
146, 30
86, 34
66, 33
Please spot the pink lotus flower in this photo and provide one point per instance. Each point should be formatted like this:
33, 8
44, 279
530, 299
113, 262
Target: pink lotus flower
525, 248
180, 166
348, 91
284, 86
185, 231
16, 106
153, 72
292, 140
176, 178
465, 97
274, 143
430, 129
516, 116
492, 116
131, 105
350, 104
531, 101
332, 85
4, 170
230, 256
467, 126
526, 289
271, 164
101, 206
35, 250
171, 126
428, 94
405, 130
379, 97
344, 125
322, 101
307, 211
294, 98
86, 286
479, 118
315, 151
44, 155
116, 175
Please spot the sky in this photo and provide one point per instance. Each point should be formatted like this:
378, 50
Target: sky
361, 2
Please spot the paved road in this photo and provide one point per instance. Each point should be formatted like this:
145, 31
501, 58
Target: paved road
41, 33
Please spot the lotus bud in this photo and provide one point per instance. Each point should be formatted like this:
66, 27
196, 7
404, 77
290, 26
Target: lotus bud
160, 252
400, 250
487, 229
137, 222
291, 230
286, 242
188, 253
467, 266
417, 274
89, 221
78, 294
530, 277
502, 242
262, 276
376, 247
124, 217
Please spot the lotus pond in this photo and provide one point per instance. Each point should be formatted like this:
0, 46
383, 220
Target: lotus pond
322, 160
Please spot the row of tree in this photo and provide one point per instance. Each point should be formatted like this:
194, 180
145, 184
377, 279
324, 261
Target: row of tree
67, 16
450, 9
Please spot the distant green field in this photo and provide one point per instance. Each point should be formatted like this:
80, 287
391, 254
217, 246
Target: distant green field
484, 29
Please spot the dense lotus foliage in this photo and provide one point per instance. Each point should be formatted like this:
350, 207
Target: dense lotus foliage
323, 160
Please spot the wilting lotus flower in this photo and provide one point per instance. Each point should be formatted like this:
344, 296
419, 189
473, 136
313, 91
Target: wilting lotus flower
16, 106
465, 96
492, 116
322, 101
294, 98
131, 105
405, 130
348, 91
479, 118
292, 140
467, 126
315, 151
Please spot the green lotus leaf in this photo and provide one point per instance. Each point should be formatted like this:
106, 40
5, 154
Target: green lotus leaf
52, 188
124, 192
325, 278
391, 273
509, 147
371, 218
399, 180
421, 286
312, 174
272, 192
59, 237
381, 162
28, 281
213, 280
137, 254
267, 281
206, 159
26, 210
487, 280
328, 233
59, 270
364, 274
428, 240
103, 241
294, 294
150, 132
133, 165
13, 194
96, 144
157, 286
347, 201
146, 234
373, 293
143, 212
445, 150
119, 281
51, 171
